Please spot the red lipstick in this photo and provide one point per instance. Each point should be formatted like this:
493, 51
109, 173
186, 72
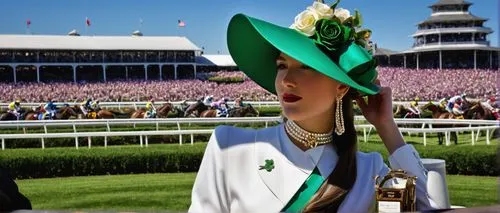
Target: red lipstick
290, 98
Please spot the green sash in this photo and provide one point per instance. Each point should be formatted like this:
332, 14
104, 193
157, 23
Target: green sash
305, 192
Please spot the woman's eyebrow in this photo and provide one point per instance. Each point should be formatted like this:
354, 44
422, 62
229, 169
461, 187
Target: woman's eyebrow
280, 58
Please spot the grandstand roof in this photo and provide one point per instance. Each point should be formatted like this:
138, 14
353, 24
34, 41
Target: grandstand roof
454, 17
451, 2
216, 60
383, 51
63, 42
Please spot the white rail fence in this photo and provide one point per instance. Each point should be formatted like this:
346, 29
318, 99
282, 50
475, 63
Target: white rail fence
426, 126
136, 105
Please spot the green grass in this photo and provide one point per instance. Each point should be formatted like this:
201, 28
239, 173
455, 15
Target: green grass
155, 192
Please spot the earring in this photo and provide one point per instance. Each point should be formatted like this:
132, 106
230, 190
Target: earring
339, 118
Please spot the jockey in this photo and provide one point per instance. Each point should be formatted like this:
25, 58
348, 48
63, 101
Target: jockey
150, 109
414, 107
85, 106
208, 100
442, 103
221, 107
238, 102
491, 105
451, 102
15, 108
95, 106
455, 105
50, 109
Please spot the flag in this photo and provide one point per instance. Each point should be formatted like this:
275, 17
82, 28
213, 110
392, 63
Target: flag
87, 21
28, 23
181, 23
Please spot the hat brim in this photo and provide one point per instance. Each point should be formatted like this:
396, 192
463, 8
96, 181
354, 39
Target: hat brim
255, 44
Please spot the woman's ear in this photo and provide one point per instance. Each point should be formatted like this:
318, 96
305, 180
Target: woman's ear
342, 89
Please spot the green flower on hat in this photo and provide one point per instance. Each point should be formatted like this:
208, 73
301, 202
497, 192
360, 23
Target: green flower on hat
332, 34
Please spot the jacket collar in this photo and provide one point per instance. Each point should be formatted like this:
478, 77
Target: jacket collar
286, 178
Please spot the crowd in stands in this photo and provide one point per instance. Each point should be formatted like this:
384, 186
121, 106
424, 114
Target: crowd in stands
427, 84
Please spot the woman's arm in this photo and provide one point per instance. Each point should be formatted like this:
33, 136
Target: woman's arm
408, 159
209, 191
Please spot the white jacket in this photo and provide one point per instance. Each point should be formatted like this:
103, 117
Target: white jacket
229, 179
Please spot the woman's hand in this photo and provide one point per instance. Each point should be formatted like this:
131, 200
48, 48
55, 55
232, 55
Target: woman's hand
378, 111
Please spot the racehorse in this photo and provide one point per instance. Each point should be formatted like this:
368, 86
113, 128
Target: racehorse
162, 112
197, 107
63, 113
477, 111
438, 113
8, 117
244, 111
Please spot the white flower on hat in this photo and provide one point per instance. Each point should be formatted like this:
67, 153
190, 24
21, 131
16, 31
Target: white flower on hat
324, 11
342, 14
305, 22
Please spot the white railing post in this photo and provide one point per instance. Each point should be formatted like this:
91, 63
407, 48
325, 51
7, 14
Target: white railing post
488, 136
3, 143
472, 135
105, 141
192, 139
146, 140
180, 135
425, 138
140, 139
43, 143
447, 137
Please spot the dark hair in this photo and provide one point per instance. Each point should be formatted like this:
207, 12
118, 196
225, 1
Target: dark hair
333, 191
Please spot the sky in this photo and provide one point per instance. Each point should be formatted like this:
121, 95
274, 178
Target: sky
392, 21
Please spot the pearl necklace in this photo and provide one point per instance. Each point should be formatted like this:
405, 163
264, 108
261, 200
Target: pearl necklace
308, 139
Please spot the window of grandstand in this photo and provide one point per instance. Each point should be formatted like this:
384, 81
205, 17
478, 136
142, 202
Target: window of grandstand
152, 56
167, 56
47, 56
184, 56
5, 56
115, 73
153, 72
454, 59
168, 72
429, 60
185, 72
112, 56
135, 72
26, 74
56, 73
411, 61
6, 74
21, 56
89, 73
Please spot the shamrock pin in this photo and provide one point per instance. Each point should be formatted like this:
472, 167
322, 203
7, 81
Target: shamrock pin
268, 166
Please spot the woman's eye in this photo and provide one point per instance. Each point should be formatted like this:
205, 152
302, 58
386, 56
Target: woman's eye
280, 66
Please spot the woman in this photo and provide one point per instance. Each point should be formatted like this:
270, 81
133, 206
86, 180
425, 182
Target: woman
309, 163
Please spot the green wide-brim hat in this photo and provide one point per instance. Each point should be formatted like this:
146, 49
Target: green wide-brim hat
255, 45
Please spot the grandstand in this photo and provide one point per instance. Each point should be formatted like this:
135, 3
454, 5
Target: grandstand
48, 58
451, 38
